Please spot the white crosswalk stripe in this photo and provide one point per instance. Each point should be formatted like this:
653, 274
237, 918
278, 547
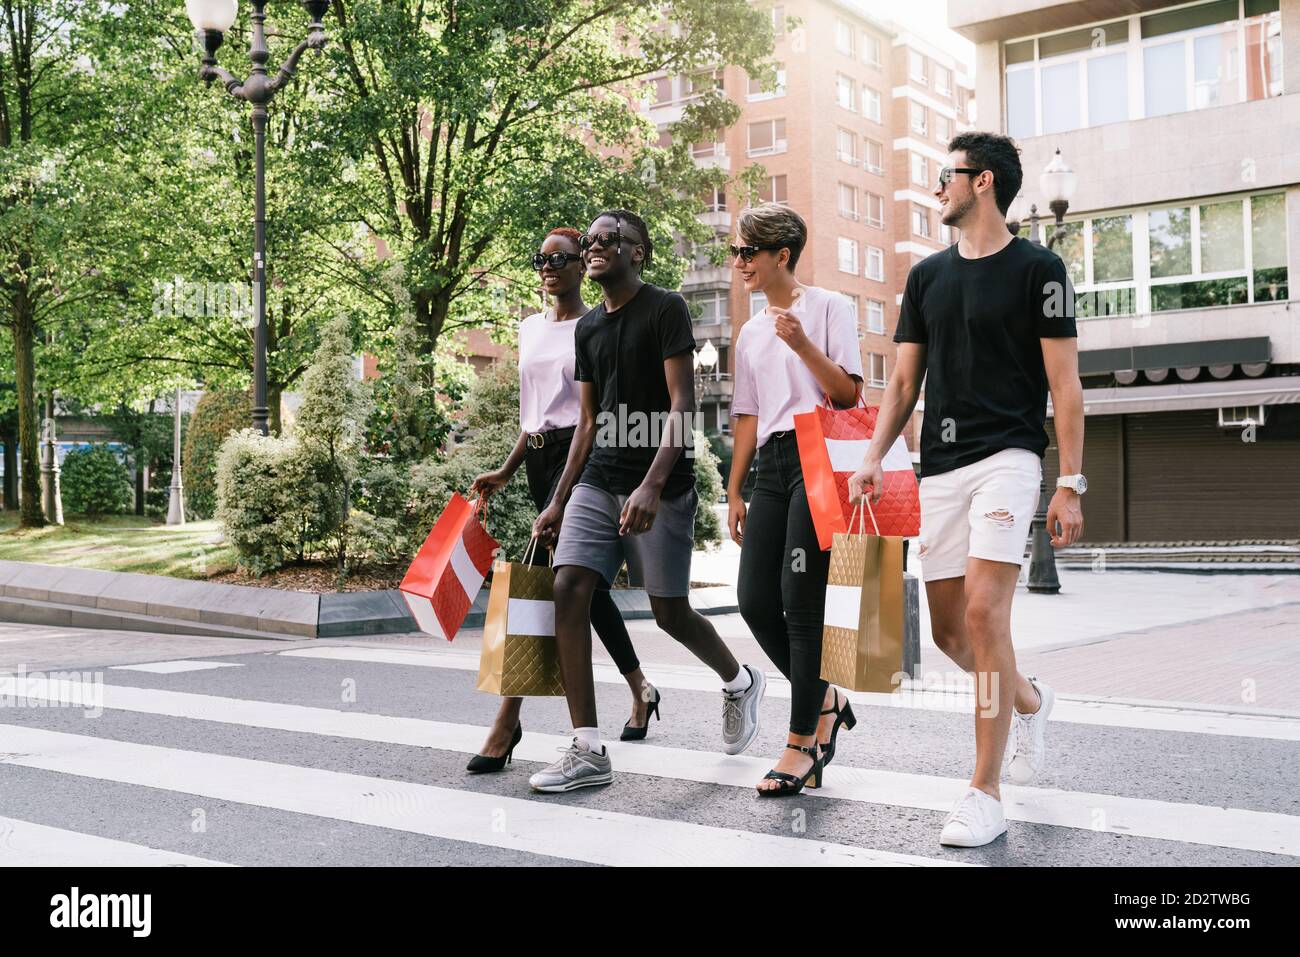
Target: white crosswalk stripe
535, 826
1147, 716
1137, 817
23, 844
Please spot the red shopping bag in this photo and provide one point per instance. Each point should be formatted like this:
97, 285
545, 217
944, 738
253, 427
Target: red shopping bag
449, 568
832, 443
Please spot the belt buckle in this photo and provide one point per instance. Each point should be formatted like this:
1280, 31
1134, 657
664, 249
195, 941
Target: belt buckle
536, 440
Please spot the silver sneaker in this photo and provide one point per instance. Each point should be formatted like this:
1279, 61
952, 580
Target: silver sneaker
740, 713
577, 768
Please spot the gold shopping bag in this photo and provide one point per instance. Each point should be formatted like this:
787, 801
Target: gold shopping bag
518, 657
862, 633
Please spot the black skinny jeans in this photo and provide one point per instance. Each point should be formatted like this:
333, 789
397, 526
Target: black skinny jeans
782, 587
543, 467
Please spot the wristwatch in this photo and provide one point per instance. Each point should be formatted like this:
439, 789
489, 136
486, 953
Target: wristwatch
1076, 483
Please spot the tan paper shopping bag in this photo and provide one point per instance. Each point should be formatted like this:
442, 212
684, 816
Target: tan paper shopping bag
862, 634
518, 656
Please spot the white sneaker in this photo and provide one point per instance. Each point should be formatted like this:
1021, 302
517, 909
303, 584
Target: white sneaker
976, 820
1030, 732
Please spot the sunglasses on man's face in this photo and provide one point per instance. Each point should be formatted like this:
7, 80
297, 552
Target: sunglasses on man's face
604, 238
556, 260
747, 253
948, 172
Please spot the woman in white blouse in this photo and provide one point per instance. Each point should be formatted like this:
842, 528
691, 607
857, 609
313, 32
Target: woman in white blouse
548, 413
801, 348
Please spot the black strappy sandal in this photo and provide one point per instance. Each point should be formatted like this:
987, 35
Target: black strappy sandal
789, 784
843, 716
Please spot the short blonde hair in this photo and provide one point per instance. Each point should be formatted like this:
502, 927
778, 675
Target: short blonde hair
774, 225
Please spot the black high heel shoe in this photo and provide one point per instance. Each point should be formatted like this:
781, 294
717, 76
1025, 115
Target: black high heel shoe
481, 763
788, 783
843, 716
638, 734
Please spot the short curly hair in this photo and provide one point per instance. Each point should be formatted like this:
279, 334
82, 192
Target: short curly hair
999, 155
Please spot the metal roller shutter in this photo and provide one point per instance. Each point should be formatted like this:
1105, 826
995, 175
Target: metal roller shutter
1103, 464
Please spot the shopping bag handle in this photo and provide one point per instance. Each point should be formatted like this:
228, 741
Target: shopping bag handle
532, 550
858, 399
857, 516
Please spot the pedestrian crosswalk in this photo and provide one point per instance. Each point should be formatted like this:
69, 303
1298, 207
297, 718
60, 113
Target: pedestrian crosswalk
680, 805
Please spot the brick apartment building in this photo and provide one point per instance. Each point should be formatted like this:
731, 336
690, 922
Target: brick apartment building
852, 137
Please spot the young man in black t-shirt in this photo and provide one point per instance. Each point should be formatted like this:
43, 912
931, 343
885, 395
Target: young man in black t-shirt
988, 324
628, 492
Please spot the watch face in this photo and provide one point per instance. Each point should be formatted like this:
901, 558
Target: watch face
1082, 485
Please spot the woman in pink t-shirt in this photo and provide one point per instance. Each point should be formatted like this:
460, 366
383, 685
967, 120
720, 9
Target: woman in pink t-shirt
801, 347
548, 414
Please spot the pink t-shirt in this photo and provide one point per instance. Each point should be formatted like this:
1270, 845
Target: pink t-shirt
549, 398
775, 384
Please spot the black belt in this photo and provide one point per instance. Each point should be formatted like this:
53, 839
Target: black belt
537, 440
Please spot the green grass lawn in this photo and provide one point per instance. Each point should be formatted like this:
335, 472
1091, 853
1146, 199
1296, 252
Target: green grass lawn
120, 543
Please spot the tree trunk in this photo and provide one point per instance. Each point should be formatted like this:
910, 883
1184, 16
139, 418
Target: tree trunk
24, 335
273, 396
11, 471
140, 484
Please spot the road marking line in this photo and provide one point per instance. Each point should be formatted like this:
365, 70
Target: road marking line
24, 844
1137, 817
1147, 717
546, 827
176, 667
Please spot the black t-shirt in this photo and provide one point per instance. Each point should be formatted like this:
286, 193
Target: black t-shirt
622, 353
981, 321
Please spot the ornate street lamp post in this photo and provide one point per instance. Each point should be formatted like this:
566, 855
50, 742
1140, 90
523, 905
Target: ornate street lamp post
1057, 183
212, 18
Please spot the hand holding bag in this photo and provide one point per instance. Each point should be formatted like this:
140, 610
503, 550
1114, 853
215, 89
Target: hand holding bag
862, 633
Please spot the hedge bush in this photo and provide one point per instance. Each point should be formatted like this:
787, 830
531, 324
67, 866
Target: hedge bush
94, 482
218, 414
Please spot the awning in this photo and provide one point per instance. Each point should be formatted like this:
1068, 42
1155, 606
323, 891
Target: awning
1176, 396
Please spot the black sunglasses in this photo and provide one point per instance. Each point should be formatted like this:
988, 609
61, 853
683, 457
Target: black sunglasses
747, 253
605, 238
946, 174
556, 260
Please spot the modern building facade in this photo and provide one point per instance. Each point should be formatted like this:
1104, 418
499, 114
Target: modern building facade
852, 136
1182, 124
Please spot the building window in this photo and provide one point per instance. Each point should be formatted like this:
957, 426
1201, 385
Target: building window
876, 263
758, 92
710, 308
942, 80
942, 128
757, 303
921, 222
875, 210
710, 147
1191, 57
871, 104
945, 234
773, 190
847, 196
916, 66
875, 158
917, 113
698, 84
848, 255
663, 91
843, 36
876, 372
767, 137
875, 316
846, 145
715, 200
871, 49
778, 21
920, 170
844, 91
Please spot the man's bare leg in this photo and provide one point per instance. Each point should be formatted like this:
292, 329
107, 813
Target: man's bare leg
574, 586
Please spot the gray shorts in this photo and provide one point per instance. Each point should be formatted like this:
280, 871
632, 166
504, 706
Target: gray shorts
658, 560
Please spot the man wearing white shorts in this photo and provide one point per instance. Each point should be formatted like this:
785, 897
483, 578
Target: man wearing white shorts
988, 325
